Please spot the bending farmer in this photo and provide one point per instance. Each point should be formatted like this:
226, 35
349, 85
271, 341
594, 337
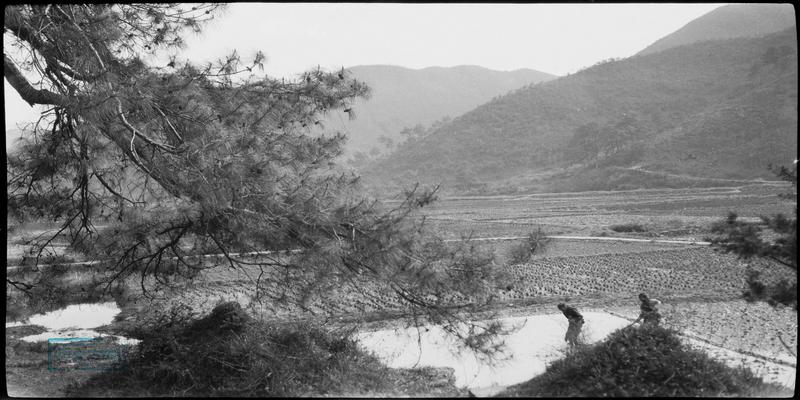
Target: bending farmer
649, 312
575, 323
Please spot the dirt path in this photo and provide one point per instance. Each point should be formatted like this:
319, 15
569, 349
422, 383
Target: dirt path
483, 239
698, 178
600, 238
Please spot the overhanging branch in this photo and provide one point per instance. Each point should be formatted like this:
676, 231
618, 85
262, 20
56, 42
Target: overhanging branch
28, 93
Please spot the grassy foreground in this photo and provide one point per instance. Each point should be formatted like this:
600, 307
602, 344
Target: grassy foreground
644, 362
229, 354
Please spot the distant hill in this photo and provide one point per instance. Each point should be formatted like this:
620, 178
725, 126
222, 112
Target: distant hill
688, 115
403, 97
12, 135
728, 22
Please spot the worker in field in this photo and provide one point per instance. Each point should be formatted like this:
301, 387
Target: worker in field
575, 323
648, 308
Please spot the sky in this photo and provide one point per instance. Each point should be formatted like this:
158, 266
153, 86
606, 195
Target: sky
553, 38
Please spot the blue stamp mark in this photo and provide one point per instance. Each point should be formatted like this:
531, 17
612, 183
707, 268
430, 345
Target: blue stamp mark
86, 354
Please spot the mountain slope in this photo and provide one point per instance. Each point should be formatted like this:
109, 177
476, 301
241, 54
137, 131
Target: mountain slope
403, 97
12, 136
728, 22
714, 109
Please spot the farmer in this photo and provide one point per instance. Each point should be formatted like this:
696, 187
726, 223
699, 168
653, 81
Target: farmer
575, 323
649, 314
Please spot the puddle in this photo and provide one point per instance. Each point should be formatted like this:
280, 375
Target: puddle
538, 341
78, 316
74, 321
76, 334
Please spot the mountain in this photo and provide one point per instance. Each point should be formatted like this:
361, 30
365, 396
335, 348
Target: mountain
12, 135
728, 22
403, 97
688, 115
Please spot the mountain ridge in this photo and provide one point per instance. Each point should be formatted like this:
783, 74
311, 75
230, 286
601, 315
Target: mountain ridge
728, 22
404, 97
710, 95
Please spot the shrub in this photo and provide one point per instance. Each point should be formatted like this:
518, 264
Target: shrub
33, 347
781, 293
519, 253
229, 354
631, 227
535, 243
643, 361
757, 288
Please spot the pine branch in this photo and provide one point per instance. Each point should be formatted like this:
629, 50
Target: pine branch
28, 93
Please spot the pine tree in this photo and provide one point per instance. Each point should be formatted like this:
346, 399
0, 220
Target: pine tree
773, 238
148, 166
748, 240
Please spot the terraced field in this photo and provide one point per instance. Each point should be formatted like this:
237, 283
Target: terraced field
676, 272
578, 248
674, 213
700, 288
668, 212
565, 268
660, 272
734, 324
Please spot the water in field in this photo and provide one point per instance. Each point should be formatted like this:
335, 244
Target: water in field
74, 321
538, 341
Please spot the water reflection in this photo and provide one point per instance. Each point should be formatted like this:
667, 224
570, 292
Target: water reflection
538, 341
74, 321
76, 334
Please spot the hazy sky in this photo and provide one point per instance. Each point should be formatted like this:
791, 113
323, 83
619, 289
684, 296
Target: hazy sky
553, 38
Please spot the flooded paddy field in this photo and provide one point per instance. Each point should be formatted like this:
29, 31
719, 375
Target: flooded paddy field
736, 332
538, 340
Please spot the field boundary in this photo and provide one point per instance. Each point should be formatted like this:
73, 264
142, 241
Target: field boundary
744, 182
757, 181
95, 262
600, 238
294, 251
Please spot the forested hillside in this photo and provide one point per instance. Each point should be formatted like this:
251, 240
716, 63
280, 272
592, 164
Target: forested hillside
403, 97
728, 22
715, 109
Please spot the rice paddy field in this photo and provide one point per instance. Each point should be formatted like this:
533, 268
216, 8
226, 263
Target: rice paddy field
565, 267
664, 212
677, 273
582, 270
700, 287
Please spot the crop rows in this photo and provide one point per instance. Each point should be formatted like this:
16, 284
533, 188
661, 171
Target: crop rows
202, 296
660, 273
455, 229
741, 326
574, 248
663, 271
